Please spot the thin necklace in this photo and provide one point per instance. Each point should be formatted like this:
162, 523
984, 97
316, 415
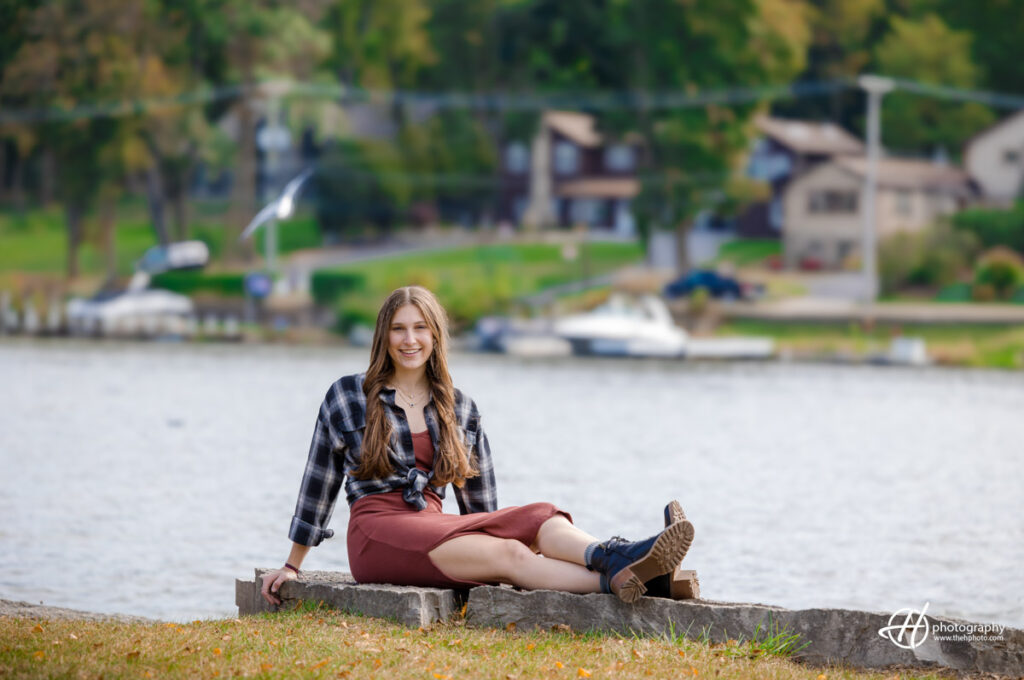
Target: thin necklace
412, 404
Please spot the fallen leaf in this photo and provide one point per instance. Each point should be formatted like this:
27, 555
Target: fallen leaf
455, 642
73, 636
693, 670
343, 624
682, 653
462, 612
637, 655
377, 663
57, 642
225, 637
216, 651
320, 664
561, 628
558, 664
822, 677
40, 654
510, 626
132, 655
582, 672
37, 629
530, 646
266, 666
196, 622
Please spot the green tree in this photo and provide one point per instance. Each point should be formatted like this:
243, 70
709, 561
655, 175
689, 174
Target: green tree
929, 51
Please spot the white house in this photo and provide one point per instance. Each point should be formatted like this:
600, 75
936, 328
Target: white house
823, 208
994, 158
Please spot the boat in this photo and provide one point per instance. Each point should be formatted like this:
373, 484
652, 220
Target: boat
624, 326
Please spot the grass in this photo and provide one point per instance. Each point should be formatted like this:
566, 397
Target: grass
747, 251
477, 280
36, 242
322, 643
977, 345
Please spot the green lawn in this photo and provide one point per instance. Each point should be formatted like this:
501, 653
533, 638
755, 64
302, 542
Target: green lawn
478, 280
37, 242
747, 251
982, 345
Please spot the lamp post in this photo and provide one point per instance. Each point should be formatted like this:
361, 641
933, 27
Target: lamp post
875, 86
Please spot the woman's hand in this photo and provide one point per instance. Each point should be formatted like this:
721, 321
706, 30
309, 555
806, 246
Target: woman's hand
272, 582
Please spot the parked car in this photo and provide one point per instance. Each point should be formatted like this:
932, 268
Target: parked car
717, 285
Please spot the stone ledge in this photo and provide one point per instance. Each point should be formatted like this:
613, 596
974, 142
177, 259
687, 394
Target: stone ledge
840, 636
410, 606
835, 635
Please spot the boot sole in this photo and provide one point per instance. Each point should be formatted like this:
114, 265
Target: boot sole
668, 550
674, 513
665, 585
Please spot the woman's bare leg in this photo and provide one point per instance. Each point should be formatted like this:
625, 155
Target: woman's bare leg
560, 539
491, 559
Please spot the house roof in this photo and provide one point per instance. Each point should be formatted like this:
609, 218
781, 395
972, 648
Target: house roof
579, 127
808, 137
599, 187
903, 173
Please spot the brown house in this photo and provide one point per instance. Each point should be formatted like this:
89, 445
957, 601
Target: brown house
570, 174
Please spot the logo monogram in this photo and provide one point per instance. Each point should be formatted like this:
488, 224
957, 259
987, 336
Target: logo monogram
912, 632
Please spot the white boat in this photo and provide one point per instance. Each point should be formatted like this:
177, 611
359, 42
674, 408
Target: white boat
625, 327
146, 311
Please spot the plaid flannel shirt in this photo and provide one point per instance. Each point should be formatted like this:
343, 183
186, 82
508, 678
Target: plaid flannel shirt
334, 455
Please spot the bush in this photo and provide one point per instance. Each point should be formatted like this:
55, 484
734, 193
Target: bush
994, 227
933, 258
228, 284
328, 287
1000, 270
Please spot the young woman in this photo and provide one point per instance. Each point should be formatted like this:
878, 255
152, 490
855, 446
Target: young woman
397, 435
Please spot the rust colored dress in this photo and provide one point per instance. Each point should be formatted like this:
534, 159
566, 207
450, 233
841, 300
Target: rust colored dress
388, 539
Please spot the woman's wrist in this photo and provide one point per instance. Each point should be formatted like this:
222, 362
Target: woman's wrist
292, 567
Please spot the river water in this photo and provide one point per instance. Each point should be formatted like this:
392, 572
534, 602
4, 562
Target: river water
144, 478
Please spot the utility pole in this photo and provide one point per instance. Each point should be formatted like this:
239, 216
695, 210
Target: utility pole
875, 86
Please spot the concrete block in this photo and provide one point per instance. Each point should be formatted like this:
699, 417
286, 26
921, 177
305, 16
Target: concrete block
409, 605
834, 635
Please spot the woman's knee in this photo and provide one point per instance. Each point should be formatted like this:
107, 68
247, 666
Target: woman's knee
512, 557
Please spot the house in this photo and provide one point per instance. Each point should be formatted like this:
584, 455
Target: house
570, 174
785, 150
823, 208
994, 158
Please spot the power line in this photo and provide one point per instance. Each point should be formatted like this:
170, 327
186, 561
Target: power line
619, 100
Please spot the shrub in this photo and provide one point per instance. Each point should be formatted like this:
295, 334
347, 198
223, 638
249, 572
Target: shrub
994, 227
1002, 270
229, 284
328, 287
933, 258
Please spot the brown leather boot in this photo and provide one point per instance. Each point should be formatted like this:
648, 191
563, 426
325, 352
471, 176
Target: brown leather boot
674, 585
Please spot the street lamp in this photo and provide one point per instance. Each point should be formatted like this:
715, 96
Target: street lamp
875, 86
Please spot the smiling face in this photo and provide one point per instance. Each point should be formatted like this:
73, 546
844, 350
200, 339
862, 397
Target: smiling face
410, 341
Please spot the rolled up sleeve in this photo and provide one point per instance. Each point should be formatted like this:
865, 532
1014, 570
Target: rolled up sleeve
479, 494
321, 483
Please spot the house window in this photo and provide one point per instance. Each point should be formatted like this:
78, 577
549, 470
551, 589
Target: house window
567, 158
517, 158
830, 201
619, 158
904, 203
1011, 156
589, 211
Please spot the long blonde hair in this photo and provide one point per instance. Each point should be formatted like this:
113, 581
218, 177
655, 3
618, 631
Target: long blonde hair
451, 460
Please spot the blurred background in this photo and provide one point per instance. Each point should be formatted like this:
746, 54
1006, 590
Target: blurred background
764, 229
